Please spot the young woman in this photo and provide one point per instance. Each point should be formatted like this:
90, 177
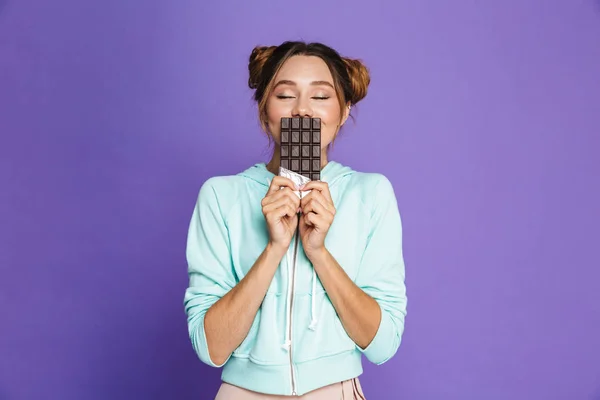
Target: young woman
287, 293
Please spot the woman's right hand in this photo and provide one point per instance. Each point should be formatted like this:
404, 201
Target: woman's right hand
280, 207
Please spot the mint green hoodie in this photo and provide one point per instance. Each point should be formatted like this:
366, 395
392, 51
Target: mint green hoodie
287, 353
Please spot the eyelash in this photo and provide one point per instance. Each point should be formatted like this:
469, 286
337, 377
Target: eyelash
291, 97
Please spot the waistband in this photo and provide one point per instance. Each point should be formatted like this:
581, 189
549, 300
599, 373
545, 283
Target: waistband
309, 375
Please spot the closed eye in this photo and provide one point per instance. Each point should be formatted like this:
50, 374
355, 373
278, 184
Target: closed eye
280, 96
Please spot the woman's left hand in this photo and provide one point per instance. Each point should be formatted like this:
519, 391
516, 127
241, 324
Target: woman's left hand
317, 216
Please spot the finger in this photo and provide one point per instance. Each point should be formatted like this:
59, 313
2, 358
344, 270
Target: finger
315, 206
315, 220
271, 207
318, 197
291, 197
322, 187
276, 196
277, 214
287, 210
321, 198
278, 182
281, 207
285, 192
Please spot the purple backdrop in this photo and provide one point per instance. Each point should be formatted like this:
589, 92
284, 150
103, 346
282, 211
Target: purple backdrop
486, 117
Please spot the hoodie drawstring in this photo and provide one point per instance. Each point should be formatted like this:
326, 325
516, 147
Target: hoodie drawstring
288, 342
313, 300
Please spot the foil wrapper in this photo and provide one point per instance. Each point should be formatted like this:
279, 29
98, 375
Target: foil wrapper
296, 178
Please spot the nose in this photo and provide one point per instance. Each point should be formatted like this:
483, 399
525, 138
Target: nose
302, 108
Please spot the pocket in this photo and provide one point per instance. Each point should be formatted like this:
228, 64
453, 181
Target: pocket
263, 343
245, 347
267, 349
329, 337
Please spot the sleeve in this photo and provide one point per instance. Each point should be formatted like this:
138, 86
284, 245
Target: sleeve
382, 273
210, 270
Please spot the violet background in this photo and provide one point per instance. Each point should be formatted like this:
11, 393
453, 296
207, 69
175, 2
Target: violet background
484, 115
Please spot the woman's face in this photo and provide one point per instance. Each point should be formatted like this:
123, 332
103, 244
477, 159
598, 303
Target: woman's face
304, 88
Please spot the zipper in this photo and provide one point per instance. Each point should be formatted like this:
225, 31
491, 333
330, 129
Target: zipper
292, 307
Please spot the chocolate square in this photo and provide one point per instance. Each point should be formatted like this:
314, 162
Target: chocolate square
295, 123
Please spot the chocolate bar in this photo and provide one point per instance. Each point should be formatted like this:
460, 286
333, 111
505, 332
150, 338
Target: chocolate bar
300, 148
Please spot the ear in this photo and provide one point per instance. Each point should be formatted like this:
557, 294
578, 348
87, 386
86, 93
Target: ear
346, 113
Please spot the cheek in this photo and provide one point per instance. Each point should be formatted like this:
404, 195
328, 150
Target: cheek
275, 111
330, 115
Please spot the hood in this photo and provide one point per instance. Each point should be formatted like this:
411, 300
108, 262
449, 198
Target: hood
331, 173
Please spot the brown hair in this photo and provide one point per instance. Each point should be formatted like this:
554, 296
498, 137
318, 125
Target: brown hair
350, 77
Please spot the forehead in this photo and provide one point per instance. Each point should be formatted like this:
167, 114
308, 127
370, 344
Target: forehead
302, 69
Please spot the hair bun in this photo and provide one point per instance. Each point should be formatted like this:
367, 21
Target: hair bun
359, 79
258, 58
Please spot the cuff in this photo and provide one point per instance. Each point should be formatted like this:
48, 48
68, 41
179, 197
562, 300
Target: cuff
202, 347
383, 345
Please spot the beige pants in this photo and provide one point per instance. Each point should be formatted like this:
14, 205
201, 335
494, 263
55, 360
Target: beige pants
346, 390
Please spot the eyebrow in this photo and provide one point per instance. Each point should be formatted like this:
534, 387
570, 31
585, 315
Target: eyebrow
313, 83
